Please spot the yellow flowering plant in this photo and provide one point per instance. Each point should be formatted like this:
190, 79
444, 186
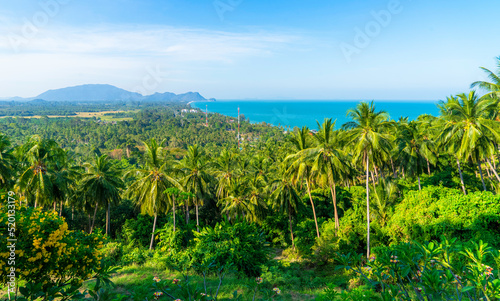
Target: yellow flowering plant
46, 252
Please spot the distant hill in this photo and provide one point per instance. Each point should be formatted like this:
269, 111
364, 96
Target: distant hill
99, 92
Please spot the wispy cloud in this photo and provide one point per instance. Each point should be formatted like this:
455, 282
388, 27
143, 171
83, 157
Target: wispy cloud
177, 43
119, 55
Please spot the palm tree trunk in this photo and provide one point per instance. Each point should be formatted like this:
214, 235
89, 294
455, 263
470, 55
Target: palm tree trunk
93, 219
419, 186
461, 177
394, 170
333, 191
367, 207
173, 201
493, 169
73, 213
187, 211
375, 168
428, 167
197, 221
108, 226
55, 205
153, 233
312, 205
290, 225
60, 208
481, 173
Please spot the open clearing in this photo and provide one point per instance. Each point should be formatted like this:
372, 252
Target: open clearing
100, 115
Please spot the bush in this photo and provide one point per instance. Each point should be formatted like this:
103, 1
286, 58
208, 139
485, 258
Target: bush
242, 245
138, 231
435, 211
47, 253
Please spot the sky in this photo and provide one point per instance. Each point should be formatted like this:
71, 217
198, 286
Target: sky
250, 49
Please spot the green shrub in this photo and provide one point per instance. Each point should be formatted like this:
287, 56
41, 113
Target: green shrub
435, 211
240, 244
137, 231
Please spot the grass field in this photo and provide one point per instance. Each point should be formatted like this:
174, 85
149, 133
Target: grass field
100, 115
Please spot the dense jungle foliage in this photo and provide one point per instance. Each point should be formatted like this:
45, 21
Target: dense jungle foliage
289, 210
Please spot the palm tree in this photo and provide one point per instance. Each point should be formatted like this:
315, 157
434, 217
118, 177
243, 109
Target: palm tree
300, 166
467, 130
101, 183
414, 153
38, 157
285, 196
225, 171
64, 178
384, 197
196, 177
329, 162
7, 161
243, 200
368, 140
492, 87
152, 181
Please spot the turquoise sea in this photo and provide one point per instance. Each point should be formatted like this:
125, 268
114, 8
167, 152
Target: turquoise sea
300, 113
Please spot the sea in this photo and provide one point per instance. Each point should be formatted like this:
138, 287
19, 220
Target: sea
307, 113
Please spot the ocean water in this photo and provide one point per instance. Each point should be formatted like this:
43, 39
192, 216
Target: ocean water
300, 113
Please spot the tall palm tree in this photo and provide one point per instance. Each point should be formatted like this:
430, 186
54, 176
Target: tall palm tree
285, 196
368, 138
38, 157
64, 178
329, 161
7, 161
492, 87
196, 177
101, 183
151, 183
244, 200
413, 151
225, 171
300, 166
467, 130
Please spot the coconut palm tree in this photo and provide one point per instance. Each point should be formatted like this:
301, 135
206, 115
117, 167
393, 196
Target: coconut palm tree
285, 196
64, 179
152, 181
467, 130
38, 157
101, 183
224, 169
7, 161
367, 135
414, 154
238, 203
300, 164
384, 196
492, 87
194, 166
329, 161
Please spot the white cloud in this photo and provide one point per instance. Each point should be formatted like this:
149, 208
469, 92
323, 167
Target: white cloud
56, 57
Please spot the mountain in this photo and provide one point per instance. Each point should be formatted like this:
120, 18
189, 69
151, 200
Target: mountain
89, 93
99, 92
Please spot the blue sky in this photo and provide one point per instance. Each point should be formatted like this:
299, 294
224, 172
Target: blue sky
242, 49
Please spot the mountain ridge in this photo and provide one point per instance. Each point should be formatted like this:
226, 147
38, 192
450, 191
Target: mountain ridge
106, 92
